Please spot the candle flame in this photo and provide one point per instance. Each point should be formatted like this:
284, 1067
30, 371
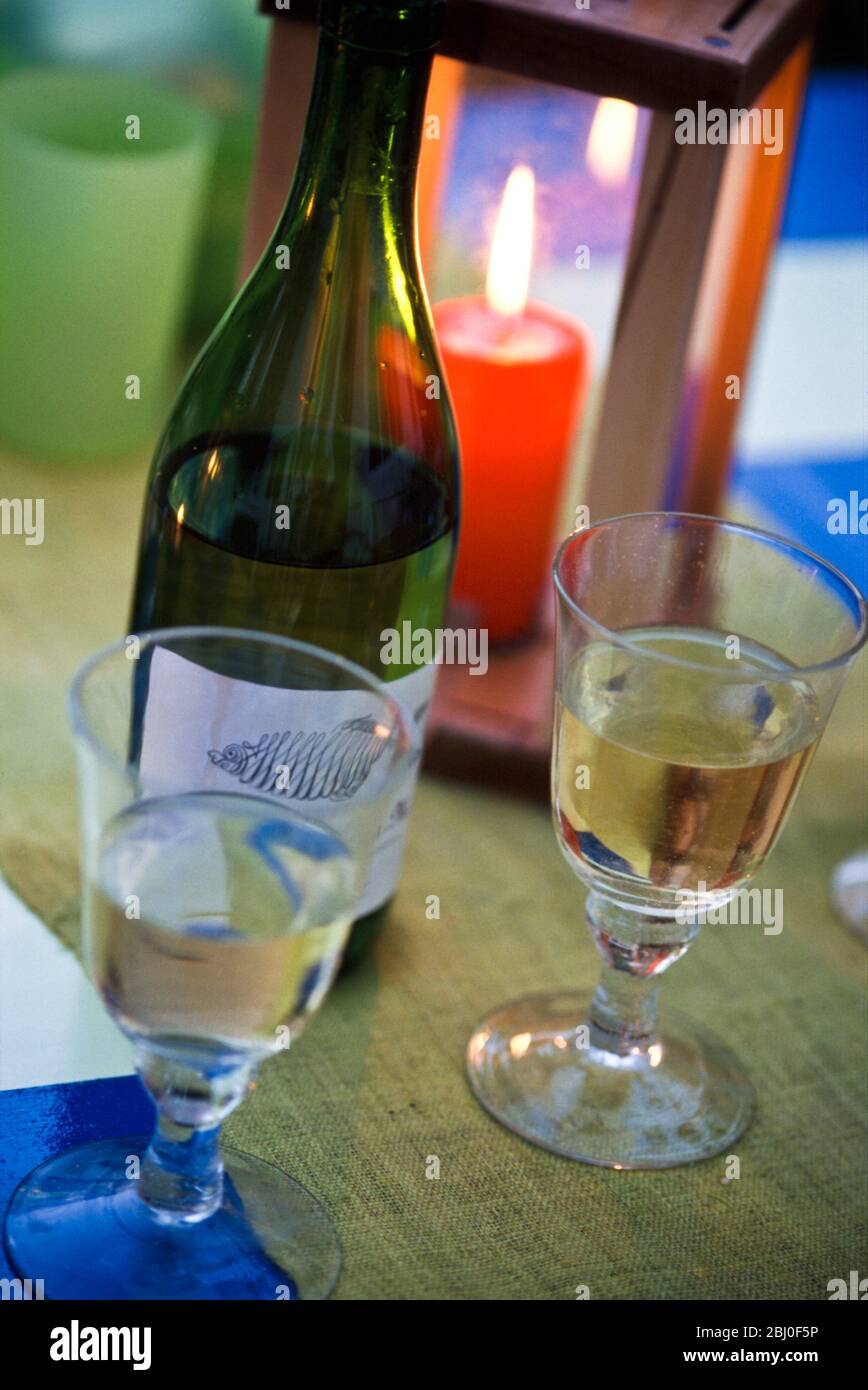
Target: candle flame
610, 143
512, 245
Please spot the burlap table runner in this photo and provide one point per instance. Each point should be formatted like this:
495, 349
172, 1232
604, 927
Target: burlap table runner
375, 1089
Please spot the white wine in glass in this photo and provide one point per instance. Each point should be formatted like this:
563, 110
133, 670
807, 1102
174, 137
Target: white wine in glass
667, 780
217, 921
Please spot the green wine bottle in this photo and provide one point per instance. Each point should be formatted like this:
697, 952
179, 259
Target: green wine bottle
307, 481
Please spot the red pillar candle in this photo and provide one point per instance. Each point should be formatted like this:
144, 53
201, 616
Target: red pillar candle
517, 374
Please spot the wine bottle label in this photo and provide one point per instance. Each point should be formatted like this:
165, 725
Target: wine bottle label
312, 748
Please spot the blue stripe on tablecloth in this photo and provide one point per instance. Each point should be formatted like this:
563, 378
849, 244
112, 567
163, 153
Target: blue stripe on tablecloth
794, 499
43, 1120
827, 190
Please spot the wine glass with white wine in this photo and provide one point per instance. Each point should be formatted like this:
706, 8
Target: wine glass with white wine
237, 793
697, 664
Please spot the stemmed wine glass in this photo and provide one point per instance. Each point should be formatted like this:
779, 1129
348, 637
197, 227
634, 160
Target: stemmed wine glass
697, 664
235, 793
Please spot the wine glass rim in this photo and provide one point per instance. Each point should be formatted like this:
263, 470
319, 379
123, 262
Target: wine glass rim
617, 638
152, 637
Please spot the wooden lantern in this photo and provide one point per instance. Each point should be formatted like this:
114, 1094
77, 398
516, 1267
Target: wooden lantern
705, 225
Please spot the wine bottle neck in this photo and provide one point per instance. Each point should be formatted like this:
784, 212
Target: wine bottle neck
363, 131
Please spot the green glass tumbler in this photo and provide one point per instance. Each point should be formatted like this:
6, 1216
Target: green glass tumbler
101, 186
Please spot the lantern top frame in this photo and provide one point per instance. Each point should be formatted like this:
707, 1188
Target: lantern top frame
663, 54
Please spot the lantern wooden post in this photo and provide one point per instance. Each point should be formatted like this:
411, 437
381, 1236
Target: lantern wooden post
632, 455
743, 239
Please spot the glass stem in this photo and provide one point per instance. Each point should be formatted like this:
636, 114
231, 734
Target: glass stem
623, 1012
181, 1177
636, 949
182, 1171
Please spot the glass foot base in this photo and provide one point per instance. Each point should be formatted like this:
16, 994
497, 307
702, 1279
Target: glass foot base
78, 1224
684, 1098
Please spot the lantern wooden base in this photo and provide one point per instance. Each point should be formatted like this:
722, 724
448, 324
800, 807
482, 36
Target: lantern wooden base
496, 729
